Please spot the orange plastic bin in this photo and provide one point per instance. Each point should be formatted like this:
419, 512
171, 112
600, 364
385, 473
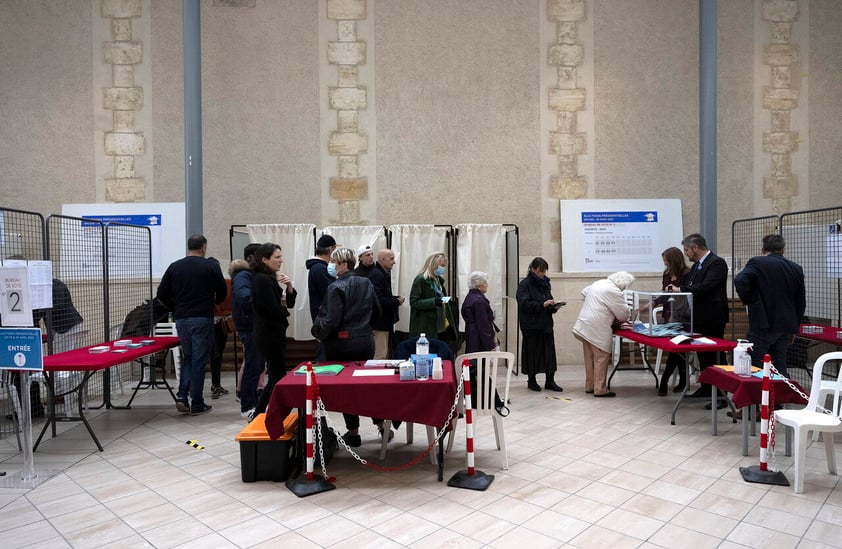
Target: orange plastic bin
262, 458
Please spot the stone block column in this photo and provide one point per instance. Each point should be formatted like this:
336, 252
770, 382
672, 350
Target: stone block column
347, 142
780, 98
566, 99
123, 143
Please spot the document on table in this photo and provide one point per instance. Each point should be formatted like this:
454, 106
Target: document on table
681, 339
371, 372
380, 362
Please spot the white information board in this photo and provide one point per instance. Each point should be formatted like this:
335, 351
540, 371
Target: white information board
166, 222
618, 235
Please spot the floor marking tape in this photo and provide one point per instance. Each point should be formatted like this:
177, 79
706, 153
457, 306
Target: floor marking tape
195, 444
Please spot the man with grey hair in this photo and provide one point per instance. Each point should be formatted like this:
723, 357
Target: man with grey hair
383, 326
707, 281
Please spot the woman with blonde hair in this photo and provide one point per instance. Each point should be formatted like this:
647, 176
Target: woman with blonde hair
429, 311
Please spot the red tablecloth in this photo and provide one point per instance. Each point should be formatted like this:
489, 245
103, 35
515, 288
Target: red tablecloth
82, 360
665, 344
748, 390
425, 402
828, 334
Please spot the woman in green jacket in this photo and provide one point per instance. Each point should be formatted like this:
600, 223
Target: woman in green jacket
429, 312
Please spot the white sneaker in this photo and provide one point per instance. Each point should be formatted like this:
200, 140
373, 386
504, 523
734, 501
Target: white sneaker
248, 415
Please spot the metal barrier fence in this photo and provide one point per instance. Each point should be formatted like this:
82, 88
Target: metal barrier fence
101, 273
814, 241
21, 237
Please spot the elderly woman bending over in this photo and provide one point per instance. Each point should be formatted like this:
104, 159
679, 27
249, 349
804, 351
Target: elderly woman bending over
604, 307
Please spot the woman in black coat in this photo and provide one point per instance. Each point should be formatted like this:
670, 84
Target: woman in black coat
270, 314
536, 308
480, 331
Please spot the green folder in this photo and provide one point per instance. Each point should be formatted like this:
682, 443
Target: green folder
321, 370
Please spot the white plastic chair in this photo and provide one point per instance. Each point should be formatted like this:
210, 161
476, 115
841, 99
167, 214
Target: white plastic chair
809, 419
482, 396
168, 329
827, 389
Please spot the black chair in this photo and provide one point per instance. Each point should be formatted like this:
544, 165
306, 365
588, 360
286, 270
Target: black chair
407, 347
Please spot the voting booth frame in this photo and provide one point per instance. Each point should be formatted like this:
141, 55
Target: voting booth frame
100, 273
813, 240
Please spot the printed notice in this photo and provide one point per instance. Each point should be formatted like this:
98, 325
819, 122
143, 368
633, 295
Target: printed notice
618, 235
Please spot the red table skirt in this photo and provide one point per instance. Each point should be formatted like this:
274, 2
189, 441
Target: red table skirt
748, 390
425, 402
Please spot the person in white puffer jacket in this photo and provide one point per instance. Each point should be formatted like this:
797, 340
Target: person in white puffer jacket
604, 307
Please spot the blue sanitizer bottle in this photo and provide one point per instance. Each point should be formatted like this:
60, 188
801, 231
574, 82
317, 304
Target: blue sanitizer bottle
422, 358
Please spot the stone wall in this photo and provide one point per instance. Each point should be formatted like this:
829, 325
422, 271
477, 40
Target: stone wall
381, 112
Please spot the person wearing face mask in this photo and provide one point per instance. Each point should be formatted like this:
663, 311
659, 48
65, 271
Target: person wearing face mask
343, 324
536, 307
429, 311
271, 294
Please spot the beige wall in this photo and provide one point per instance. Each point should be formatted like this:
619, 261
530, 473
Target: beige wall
455, 111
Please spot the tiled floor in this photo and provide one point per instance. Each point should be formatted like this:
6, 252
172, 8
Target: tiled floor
584, 472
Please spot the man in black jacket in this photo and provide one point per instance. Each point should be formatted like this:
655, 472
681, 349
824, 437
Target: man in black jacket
772, 288
190, 287
707, 281
318, 279
383, 326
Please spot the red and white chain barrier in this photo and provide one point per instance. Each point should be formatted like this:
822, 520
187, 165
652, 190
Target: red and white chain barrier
309, 421
469, 416
765, 406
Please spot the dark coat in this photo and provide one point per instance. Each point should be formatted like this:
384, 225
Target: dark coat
480, 331
389, 305
242, 309
709, 285
317, 282
270, 315
773, 289
427, 312
347, 310
533, 316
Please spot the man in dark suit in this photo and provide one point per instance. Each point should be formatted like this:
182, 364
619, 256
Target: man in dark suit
707, 281
384, 325
772, 288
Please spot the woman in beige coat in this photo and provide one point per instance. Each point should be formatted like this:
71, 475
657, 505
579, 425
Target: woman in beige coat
604, 307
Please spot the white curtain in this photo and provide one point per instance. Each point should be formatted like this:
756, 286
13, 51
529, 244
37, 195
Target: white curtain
298, 244
412, 244
481, 248
356, 236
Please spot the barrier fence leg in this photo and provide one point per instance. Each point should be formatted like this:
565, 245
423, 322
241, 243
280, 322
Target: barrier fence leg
761, 474
469, 478
308, 483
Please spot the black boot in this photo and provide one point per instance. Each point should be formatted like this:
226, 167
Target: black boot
664, 385
532, 384
551, 385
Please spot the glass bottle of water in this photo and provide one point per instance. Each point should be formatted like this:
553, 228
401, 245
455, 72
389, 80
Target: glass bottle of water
422, 352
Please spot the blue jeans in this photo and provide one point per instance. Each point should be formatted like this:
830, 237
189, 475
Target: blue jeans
253, 363
196, 337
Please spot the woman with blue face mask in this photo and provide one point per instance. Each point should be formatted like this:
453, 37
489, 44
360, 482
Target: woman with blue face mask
430, 313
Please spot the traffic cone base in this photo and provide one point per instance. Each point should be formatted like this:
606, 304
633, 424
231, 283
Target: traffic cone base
302, 487
754, 474
478, 481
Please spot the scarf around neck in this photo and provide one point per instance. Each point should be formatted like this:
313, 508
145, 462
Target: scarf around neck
545, 282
